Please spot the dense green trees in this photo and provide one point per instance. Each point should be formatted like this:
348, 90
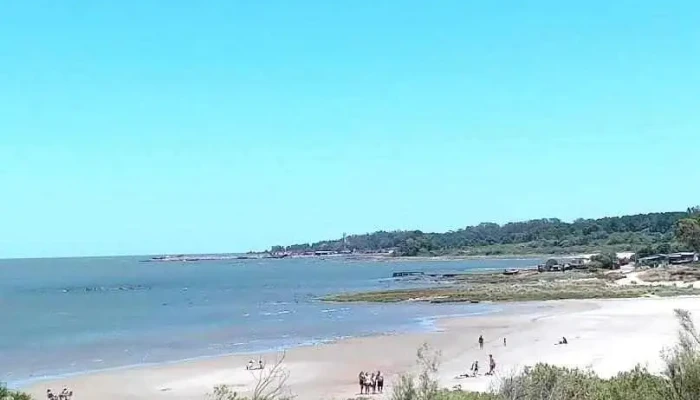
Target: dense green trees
688, 232
547, 235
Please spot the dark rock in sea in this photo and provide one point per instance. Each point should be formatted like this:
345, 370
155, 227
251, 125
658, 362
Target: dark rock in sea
123, 288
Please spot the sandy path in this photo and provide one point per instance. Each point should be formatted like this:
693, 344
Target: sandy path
605, 335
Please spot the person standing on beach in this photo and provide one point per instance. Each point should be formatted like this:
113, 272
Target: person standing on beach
492, 365
380, 382
504, 342
362, 382
481, 342
368, 382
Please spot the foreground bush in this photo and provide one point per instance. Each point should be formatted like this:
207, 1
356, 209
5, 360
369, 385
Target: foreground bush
7, 394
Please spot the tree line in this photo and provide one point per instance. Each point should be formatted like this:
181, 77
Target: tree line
646, 233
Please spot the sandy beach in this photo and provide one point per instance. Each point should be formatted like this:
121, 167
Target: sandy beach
606, 336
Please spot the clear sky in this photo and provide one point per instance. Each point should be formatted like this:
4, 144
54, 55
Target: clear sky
140, 127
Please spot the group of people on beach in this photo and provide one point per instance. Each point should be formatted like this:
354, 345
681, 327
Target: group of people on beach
64, 395
474, 369
252, 365
371, 383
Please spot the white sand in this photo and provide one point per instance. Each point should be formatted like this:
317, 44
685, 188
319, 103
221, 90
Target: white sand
605, 335
633, 278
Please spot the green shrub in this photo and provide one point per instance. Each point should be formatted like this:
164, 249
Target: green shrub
683, 362
7, 394
637, 384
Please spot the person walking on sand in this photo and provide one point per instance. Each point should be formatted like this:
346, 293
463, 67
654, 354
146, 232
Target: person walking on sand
481, 342
492, 365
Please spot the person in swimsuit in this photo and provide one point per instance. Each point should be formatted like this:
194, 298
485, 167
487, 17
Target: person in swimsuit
475, 368
492, 365
362, 382
481, 342
380, 382
504, 342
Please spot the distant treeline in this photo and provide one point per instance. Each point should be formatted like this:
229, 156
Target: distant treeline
645, 233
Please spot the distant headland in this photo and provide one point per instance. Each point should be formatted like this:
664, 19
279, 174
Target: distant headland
644, 234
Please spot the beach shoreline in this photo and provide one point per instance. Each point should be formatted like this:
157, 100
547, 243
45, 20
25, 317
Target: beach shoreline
606, 336
421, 325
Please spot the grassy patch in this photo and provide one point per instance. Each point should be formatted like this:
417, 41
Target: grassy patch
672, 274
522, 287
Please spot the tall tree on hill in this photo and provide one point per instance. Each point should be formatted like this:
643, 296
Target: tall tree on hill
688, 229
688, 232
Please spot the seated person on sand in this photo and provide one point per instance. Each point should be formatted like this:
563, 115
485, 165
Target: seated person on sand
260, 364
64, 395
473, 370
250, 365
563, 341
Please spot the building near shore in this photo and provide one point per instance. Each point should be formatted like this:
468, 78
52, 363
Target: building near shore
659, 260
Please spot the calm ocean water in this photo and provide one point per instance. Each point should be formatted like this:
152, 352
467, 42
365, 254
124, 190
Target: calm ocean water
74, 315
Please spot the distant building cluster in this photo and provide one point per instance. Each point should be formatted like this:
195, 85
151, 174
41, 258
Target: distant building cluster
658, 260
622, 258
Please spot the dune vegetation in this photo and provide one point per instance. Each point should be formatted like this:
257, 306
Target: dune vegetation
526, 286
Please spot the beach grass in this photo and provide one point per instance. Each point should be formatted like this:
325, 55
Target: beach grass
689, 273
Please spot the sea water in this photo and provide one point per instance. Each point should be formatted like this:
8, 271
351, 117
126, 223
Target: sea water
70, 315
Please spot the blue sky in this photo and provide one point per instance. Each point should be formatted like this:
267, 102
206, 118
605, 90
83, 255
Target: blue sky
137, 127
